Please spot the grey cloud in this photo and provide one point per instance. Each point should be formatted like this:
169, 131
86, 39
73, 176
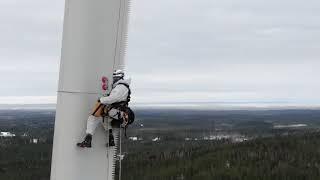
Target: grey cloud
30, 46
263, 48
30, 29
187, 50
229, 31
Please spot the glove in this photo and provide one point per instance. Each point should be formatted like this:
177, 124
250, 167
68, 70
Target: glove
101, 100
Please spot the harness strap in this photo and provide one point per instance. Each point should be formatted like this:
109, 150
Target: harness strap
125, 131
118, 106
129, 91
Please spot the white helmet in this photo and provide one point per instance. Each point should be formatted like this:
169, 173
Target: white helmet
118, 74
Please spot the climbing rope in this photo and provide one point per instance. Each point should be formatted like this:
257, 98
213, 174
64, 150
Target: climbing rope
107, 129
120, 153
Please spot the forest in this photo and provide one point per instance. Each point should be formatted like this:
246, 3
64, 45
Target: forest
293, 157
183, 150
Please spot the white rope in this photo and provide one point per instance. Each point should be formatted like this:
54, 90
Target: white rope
120, 154
107, 121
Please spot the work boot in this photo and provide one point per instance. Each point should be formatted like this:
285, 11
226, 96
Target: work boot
111, 138
86, 143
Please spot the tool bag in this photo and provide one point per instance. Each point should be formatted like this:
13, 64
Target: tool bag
127, 116
98, 110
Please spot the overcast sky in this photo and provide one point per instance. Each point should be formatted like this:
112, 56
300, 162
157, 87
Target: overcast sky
179, 50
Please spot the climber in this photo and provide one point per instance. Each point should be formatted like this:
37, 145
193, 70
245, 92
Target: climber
109, 108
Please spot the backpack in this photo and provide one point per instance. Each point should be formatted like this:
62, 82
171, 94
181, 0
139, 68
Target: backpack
130, 115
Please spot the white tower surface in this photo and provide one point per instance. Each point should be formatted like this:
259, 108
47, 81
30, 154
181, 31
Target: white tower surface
94, 40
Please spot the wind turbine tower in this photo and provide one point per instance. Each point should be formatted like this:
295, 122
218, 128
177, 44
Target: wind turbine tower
94, 40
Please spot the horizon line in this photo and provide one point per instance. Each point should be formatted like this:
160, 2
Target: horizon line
186, 105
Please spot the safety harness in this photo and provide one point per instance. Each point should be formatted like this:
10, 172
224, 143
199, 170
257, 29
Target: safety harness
129, 94
122, 106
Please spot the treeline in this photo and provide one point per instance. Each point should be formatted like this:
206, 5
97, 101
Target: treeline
295, 157
21, 160
285, 155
